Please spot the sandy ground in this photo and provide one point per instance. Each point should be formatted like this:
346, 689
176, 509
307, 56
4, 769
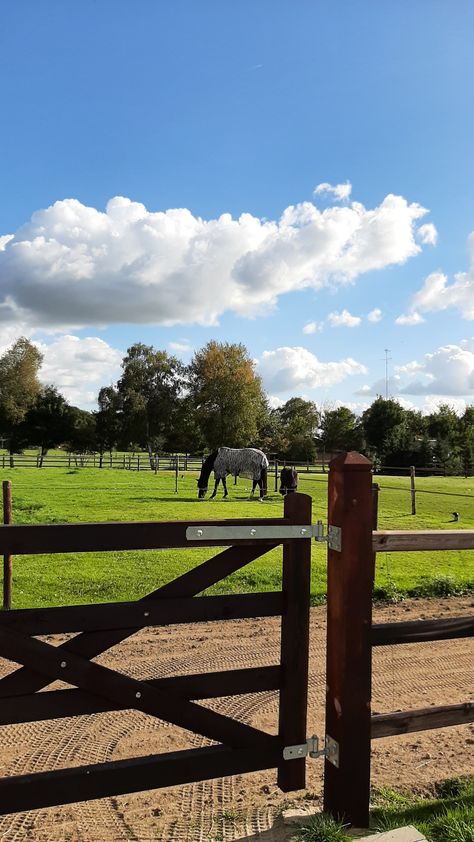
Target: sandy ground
242, 807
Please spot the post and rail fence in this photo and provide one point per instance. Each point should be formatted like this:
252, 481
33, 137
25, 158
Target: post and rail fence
353, 542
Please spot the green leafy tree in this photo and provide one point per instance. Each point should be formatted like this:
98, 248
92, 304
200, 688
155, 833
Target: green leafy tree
300, 422
340, 429
82, 437
227, 394
19, 384
149, 390
378, 422
47, 424
108, 420
443, 424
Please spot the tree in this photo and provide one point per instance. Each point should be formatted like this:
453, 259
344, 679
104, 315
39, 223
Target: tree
82, 437
149, 390
19, 384
48, 423
444, 423
300, 422
108, 420
339, 430
227, 394
379, 420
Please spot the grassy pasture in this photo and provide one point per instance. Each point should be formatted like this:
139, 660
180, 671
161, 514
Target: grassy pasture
59, 495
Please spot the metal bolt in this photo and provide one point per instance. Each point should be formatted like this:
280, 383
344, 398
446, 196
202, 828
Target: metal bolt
199, 533
303, 531
63, 664
138, 695
253, 532
146, 613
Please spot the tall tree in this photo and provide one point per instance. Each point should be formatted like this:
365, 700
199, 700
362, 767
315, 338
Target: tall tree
149, 390
47, 424
108, 420
227, 394
19, 384
379, 420
300, 422
339, 430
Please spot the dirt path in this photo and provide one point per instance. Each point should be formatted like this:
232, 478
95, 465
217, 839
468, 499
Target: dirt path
244, 807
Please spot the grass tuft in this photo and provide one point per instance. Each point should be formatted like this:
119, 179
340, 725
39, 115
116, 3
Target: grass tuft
322, 828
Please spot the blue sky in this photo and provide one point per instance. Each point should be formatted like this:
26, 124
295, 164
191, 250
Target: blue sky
242, 109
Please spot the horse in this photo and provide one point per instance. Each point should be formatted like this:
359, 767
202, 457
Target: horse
235, 461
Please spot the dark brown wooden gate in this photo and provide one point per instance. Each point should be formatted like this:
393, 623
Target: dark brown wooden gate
241, 748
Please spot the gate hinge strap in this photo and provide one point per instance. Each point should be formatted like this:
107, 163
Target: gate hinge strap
311, 749
261, 531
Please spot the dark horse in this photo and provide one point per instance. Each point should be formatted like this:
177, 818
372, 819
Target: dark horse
234, 461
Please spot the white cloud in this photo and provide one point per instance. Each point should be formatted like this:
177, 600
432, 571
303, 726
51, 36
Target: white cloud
448, 371
409, 319
311, 327
182, 347
344, 319
438, 294
73, 265
446, 375
79, 367
275, 402
374, 315
341, 192
427, 234
288, 369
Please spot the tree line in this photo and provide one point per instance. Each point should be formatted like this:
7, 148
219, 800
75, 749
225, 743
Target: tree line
161, 405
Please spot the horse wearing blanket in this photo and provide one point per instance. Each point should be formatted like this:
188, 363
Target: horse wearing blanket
234, 461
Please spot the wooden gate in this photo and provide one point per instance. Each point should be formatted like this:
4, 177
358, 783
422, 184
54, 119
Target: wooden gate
241, 748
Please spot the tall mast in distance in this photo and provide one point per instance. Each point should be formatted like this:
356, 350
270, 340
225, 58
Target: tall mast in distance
387, 358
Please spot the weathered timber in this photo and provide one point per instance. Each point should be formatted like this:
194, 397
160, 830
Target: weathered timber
349, 618
7, 558
65, 786
419, 631
433, 539
423, 719
136, 615
296, 583
91, 644
101, 537
56, 704
126, 691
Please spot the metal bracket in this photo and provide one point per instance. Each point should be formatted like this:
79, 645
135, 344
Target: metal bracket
335, 538
311, 749
233, 533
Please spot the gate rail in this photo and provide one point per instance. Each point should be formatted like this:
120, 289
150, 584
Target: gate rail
242, 748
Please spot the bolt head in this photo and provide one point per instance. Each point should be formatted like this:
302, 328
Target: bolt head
253, 532
63, 664
138, 695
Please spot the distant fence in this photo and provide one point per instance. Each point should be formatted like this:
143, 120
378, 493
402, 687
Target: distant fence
140, 462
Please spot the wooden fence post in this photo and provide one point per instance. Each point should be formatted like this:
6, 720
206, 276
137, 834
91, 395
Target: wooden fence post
296, 583
7, 559
276, 474
349, 621
413, 489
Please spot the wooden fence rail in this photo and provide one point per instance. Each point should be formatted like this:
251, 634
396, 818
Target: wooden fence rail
351, 636
98, 688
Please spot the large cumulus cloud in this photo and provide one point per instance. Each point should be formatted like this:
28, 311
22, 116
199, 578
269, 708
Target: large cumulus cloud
73, 265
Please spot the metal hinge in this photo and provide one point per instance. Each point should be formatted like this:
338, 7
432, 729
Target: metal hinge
311, 749
233, 533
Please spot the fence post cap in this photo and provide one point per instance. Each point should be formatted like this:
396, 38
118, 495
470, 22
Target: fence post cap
351, 461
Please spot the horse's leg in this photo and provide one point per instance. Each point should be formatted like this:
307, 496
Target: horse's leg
225, 487
263, 483
254, 485
215, 490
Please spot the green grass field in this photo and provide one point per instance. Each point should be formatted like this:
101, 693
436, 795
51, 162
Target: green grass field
59, 495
